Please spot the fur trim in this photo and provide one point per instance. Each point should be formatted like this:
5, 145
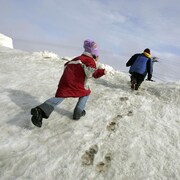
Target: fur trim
87, 54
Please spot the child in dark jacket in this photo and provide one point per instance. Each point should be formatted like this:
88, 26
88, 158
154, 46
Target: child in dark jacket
140, 66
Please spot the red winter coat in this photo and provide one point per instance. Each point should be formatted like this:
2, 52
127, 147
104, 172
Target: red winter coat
75, 75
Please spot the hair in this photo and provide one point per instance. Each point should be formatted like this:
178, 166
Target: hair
147, 50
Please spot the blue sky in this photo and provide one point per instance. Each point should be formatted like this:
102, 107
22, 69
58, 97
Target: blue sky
121, 28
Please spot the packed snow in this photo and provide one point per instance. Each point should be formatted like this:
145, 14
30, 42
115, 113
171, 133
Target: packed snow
125, 135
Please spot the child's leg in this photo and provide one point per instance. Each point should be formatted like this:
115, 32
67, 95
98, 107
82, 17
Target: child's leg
140, 79
133, 80
48, 106
79, 109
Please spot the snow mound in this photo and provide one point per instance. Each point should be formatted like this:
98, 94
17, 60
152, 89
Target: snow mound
110, 70
6, 41
46, 55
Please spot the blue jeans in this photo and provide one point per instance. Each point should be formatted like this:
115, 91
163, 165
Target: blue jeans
48, 106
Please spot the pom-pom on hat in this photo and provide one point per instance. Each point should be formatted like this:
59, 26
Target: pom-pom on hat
147, 50
91, 47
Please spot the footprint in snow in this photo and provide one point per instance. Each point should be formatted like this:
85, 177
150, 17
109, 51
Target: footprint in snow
130, 113
124, 98
108, 157
88, 157
111, 126
104, 165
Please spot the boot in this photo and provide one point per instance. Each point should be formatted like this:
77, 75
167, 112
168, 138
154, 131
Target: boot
133, 82
77, 117
37, 116
136, 87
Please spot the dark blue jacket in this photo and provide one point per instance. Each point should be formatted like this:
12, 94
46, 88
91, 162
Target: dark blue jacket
140, 64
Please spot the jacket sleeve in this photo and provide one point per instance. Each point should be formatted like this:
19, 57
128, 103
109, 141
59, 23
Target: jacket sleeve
98, 73
149, 69
131, 60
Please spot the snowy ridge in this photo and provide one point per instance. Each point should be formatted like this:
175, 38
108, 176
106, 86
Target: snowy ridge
46, 55
125, 134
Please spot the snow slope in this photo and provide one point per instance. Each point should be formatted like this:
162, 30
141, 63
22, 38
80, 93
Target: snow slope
124, 136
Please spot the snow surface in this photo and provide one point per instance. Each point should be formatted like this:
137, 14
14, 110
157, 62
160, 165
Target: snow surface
125, 135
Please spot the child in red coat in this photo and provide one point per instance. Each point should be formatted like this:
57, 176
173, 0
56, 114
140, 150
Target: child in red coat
73, 83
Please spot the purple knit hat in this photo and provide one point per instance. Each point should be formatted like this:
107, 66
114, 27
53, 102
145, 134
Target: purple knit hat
91, 47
